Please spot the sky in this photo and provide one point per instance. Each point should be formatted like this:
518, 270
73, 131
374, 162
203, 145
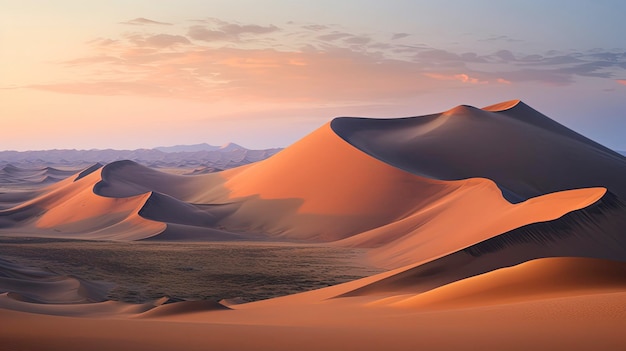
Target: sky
146, 73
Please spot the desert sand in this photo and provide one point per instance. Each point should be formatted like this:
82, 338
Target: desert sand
498, 229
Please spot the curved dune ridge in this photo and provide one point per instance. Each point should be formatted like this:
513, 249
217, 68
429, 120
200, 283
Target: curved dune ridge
467, 208
71, 209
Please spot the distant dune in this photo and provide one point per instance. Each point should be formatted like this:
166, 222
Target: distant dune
201, 147
199, 156
485, 218
11, 175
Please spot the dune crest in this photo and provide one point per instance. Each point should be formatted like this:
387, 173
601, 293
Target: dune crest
503, 106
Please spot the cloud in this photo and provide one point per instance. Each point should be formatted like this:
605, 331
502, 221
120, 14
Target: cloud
204, 34
215, 60
556, 60
472, 57
504, 38
159, 40
315, 27
505, 55
335, 75
461, 77
236, 29
106, 88
591, 69
357, 40
228, 31
140, 21
396, 36
546, 76
102, 42
334, 36
436, 55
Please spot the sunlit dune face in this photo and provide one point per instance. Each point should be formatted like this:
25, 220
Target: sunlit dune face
502, 106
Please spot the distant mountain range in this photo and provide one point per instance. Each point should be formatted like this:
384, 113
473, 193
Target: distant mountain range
203, 158
200, 147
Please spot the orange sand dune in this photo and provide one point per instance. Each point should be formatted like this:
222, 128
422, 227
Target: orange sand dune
534, 280
526, 153
418, 238
71, 209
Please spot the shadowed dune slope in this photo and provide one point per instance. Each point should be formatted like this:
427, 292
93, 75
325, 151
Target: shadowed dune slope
526, 153
535, 279
36, 286
577, 234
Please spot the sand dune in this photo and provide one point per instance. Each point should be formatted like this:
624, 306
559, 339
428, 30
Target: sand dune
38, 287
524, 152
71, 209
532, 280
481, 215
10, 174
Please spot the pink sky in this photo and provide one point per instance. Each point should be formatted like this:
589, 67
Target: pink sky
79, 75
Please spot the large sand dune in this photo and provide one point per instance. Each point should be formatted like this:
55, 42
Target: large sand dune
479, 214
524, 152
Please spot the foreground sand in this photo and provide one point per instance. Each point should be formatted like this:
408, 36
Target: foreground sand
587, 314
558, 324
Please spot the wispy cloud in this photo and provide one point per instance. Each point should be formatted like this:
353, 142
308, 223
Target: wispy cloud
215, 59
501, 38
334, 36
144, 21
396, 36
461, 77
357, 40
228, 31
158, 40
315, 27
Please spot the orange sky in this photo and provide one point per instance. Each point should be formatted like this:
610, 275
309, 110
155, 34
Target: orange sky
119, 75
